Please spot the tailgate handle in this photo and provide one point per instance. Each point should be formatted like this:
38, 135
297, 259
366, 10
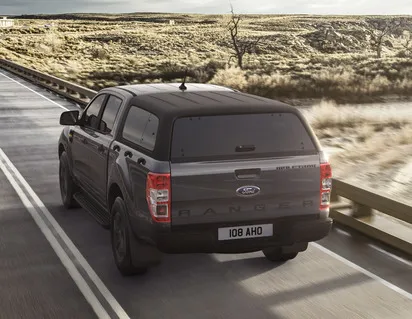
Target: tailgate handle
247, 173
245, 148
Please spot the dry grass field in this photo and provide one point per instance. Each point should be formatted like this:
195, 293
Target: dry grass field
297, 57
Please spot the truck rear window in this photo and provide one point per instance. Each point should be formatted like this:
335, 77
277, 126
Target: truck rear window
239, 136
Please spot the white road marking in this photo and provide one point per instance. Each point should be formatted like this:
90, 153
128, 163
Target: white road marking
80, 281
384, 282
383, 251
55, 103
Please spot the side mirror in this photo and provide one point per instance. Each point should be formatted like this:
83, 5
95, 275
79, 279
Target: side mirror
103, 126
69, 118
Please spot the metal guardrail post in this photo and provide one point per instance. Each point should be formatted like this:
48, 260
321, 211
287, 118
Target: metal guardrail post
360, 211
334, 195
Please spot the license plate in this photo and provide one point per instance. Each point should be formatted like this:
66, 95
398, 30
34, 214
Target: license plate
242, 232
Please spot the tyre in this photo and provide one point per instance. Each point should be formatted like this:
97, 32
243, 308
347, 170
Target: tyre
67, 185
275, 254
119, 230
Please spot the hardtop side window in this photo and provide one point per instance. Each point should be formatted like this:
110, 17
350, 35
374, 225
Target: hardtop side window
91, 114
110, 113
140, 128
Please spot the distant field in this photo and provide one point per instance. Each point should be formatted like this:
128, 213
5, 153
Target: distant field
298, 57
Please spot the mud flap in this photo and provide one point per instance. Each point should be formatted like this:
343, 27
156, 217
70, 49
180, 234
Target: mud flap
143, 254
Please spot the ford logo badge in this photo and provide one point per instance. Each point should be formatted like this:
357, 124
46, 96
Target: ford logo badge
248, 191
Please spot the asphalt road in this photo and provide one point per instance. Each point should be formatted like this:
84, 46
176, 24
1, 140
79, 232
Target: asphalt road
57, 263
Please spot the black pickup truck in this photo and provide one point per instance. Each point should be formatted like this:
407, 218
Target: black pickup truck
195, 169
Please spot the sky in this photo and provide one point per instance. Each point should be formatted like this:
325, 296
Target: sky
11, 7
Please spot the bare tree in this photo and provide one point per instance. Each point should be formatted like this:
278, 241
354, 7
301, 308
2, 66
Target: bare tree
407, 45
240, 46
406, 35
383, 28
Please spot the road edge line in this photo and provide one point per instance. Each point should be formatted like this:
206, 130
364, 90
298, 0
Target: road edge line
58, 249
55, 103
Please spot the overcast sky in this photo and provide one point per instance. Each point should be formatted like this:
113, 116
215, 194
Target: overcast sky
209, 6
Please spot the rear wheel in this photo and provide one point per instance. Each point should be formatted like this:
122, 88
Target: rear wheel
119, 229
67, 185
275, 254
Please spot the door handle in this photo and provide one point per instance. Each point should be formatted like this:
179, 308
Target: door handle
100, 149
128, 154
84, 140
116, 148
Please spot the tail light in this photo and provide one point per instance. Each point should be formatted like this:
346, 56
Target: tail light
325, 182
158, 196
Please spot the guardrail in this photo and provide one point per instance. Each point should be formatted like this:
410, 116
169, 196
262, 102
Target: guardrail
375, 215
351, 205
71, 91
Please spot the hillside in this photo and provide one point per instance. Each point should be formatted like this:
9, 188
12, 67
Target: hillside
297, 57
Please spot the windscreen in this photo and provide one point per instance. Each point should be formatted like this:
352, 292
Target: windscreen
239, 136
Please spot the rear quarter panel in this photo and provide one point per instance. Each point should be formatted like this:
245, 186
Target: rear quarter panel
132, 177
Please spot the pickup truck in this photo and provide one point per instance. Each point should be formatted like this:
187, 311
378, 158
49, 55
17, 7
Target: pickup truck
195, 168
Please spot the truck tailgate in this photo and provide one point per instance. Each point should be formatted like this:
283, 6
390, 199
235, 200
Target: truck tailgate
235, 168
245, 191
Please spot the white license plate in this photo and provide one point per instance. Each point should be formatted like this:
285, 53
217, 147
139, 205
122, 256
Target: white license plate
242, 232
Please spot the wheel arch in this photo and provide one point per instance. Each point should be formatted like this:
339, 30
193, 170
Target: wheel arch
61, 149
114, 192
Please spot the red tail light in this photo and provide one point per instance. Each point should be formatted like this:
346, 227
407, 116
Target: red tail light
325, 183
158, 196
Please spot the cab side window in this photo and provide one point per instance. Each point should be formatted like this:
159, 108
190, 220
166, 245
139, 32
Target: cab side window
109, 114
91, 116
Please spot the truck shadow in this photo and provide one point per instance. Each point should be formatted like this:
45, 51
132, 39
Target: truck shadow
196, 286
218, 286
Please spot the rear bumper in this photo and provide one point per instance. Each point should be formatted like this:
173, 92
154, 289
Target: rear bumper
204, 238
